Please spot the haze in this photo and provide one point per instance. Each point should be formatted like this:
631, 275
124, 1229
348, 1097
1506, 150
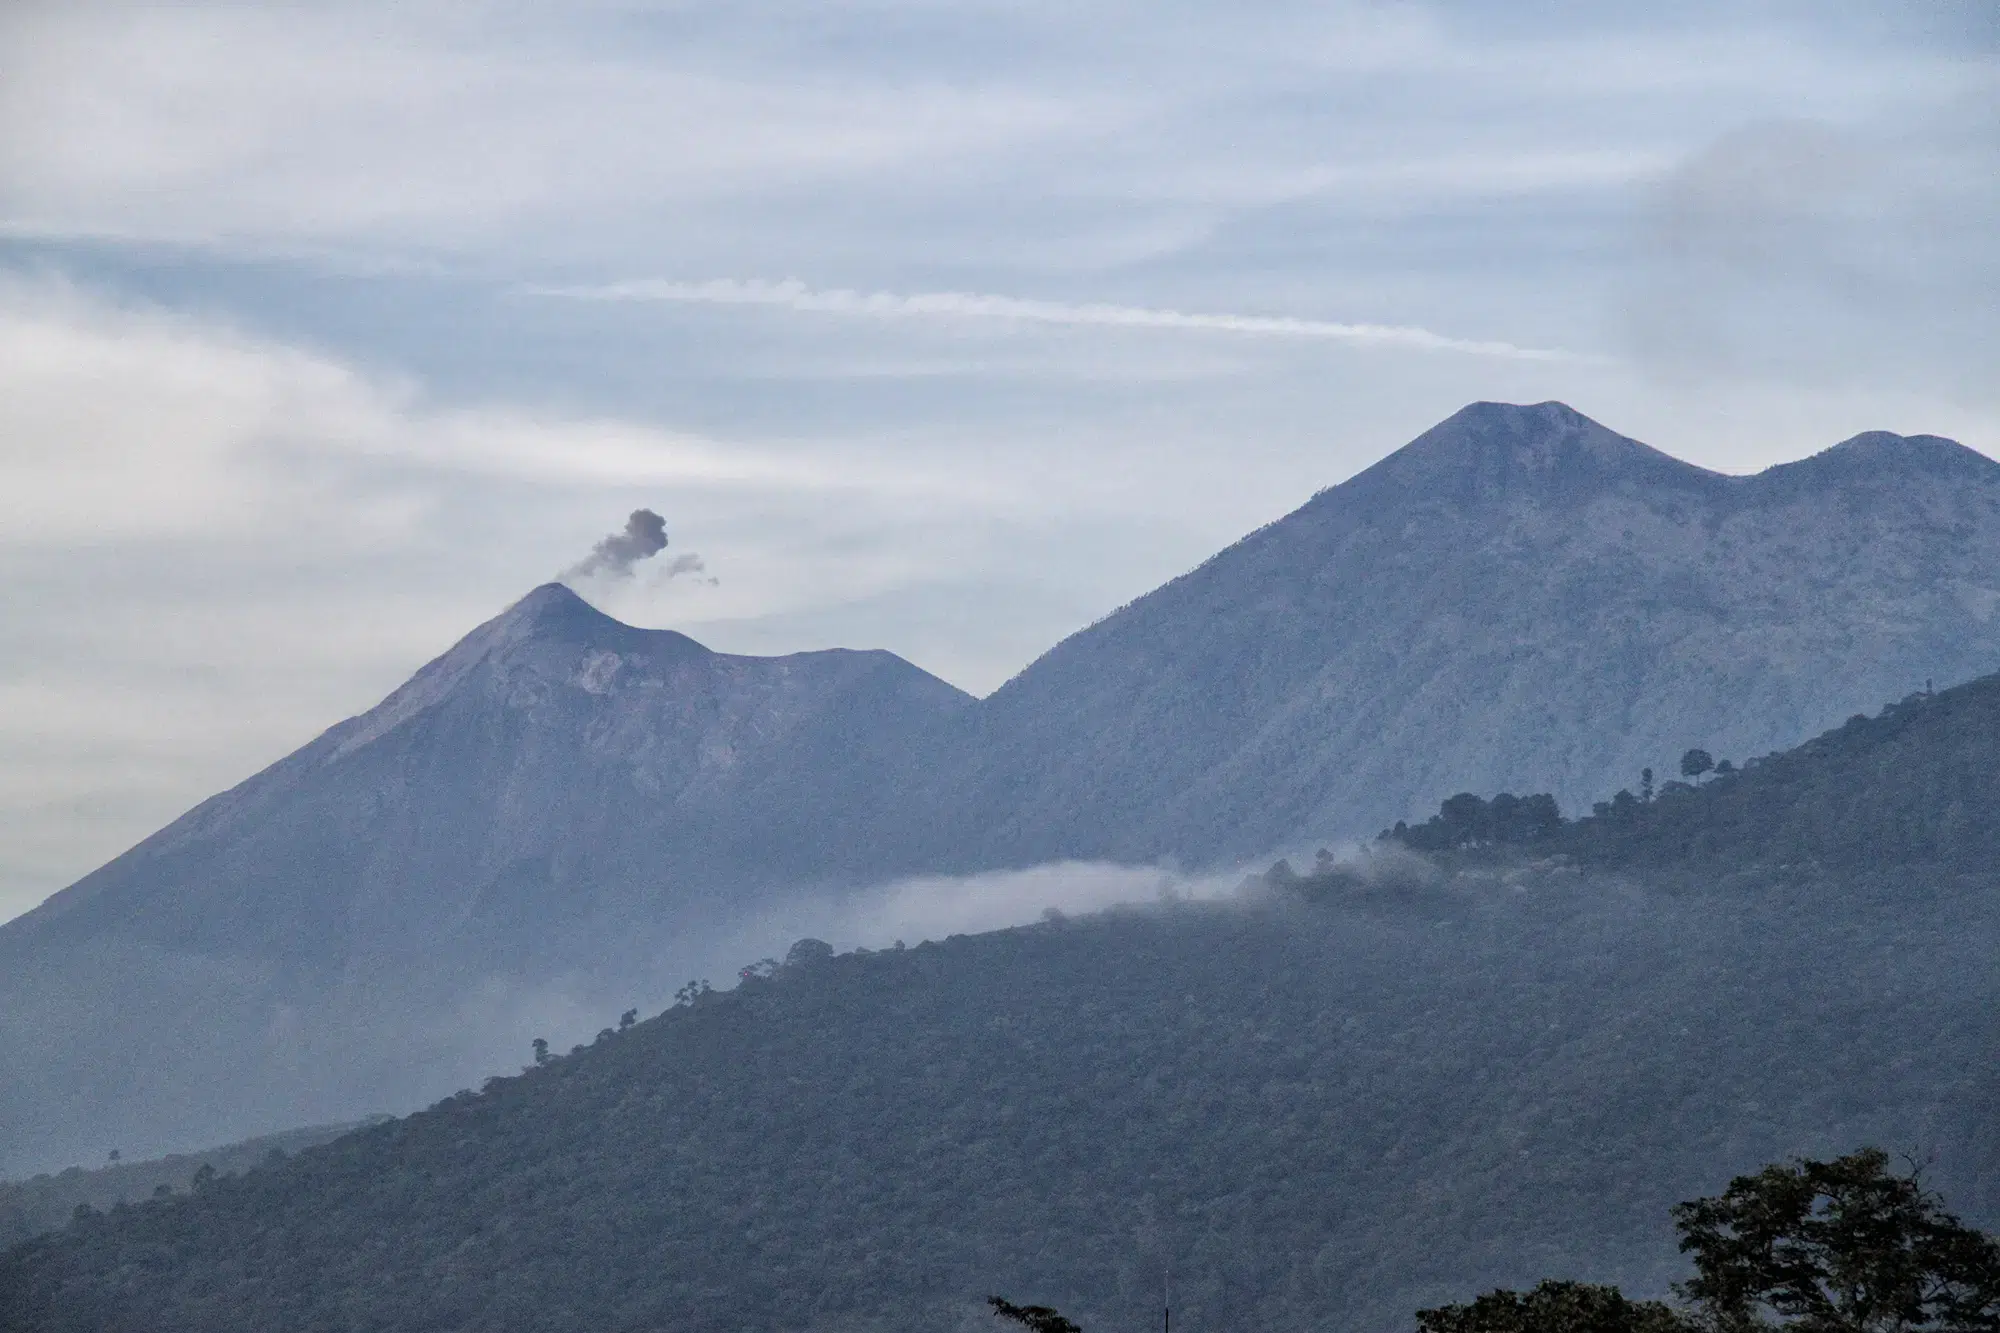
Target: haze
326, 333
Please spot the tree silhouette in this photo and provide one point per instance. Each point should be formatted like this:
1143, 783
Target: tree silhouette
807, 952
1695, 763
1845, 1246
1034, 1318
1554, 1307
1465, 820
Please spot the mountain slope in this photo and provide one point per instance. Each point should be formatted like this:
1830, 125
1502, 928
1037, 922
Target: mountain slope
1319, 1116
48, 1202
1519, 598
558, 796
564, 813
554, 767
1320, 1108
1913, 785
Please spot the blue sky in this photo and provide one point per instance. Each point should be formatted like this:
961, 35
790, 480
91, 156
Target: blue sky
327, 330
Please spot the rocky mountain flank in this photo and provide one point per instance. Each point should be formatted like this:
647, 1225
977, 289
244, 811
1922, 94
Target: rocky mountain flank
559, 801
564, 810
1518, 599
554, 768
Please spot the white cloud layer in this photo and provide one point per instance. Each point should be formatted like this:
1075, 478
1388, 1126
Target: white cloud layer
452, 124
791, 294
933, 907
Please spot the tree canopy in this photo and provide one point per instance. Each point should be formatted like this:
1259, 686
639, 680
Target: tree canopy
1846, 1246
1322, 1113
1554, 1307
1034, 1318
1909, 786
1466, 820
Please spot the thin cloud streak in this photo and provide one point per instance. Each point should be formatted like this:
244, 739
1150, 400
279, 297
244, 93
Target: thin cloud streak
791, 294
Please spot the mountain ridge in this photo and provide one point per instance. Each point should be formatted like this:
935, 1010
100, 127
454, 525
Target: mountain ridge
1521, 573
556, 813
1549, 448
532, 646
562, 810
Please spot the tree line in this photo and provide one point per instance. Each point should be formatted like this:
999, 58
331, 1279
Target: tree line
1843, 1246
1908, 786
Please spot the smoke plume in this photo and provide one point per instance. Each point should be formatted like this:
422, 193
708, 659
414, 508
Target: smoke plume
645, 536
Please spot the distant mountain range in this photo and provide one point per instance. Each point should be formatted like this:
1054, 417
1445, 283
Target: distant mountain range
564, 809
1520, 599
1389, 1085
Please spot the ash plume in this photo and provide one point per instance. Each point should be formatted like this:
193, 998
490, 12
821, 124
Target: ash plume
644, 536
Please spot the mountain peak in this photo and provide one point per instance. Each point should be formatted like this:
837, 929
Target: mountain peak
1880, 455
1489, 450
547, 627
1524, 418
554, 613
552, 608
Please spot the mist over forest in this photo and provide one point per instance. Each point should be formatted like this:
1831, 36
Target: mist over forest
565, 816
1521, 1047
810, 993
1522, 1067
1000, 668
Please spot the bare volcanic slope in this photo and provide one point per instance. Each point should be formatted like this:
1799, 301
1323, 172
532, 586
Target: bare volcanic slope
553, 769
1519, 599
558, 795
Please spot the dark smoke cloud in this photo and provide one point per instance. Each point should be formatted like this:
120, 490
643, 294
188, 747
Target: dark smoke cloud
645, 536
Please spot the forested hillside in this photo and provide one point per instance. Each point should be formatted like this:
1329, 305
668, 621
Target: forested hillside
1917, 784
46, 1202
1320, 1114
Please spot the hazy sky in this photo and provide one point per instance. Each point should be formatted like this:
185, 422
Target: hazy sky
326, 331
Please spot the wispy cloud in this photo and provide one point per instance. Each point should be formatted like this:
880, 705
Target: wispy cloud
791, 294
934, 907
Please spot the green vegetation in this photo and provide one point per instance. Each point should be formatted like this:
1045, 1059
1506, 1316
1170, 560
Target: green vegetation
1838, 1247
1467, 821
1034, 1318
1554, 1307
1845, 1246
1916, 785
1327, 1105
46, 1202
1317, 1113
